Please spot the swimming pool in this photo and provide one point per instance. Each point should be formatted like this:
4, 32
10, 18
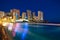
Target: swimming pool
26, 31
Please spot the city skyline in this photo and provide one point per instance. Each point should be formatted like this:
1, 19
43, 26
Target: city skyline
51, 8
14, 14
29, 19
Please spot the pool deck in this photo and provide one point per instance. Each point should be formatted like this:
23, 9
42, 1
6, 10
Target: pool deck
53, 24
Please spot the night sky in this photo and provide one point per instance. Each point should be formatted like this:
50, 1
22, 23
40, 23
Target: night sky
51, 8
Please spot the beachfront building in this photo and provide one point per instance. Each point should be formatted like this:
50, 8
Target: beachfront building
39, 15
23, 15
29, 14
33, 15
2, 14
15, 13
42, 16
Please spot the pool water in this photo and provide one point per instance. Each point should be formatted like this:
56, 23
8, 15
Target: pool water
26, 31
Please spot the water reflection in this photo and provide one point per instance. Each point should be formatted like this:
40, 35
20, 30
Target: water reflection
25, 25
25, 31
20, 29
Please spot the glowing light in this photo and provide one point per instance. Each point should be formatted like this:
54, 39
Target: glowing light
21, 20
13, 30
26, 20
10, 25
12, 20
10, 28
25, 30
14, 33
5, 19
18, 28
0, 22
10, 17
5, 23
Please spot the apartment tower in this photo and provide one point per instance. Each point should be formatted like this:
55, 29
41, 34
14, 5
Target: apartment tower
29, 14
23, 15
15, 13
39, 15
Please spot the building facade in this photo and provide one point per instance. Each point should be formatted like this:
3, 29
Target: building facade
33, 14
2, 14
23, 15
29, 14
42, 16
15, 13
39, 15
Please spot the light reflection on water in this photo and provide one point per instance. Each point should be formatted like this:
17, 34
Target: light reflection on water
25, 31
21, 29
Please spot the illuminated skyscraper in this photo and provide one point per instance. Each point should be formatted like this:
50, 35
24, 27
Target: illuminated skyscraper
33, 14
29, 14
15, 13
23, 15
18, 12
39, 15
2, 14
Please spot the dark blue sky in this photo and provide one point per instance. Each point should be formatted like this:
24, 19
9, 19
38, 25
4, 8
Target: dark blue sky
51, 8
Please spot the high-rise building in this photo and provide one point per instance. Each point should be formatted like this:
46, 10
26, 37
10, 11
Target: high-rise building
29, 14
15, 13
39, 15
33, 14
23, 15
2, 14
18, 12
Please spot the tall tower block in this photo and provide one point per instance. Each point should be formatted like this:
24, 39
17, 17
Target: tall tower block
2, 14
23, 15
33, 14
39, 15
29, 14
15, 13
